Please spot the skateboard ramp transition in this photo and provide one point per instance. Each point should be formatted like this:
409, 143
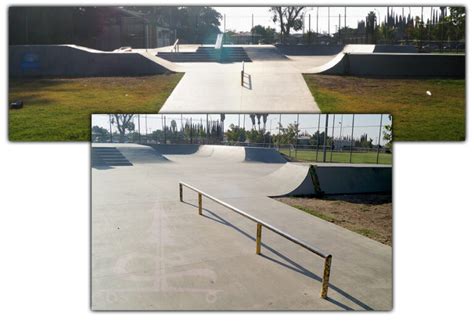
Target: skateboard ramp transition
75, 61
235, 154
284, 179
294, 179
394, 65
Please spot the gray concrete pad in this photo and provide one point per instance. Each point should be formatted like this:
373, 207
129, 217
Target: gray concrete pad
150, 251
270, 86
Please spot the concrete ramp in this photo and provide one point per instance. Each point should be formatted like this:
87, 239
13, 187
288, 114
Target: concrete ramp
290, 180
294, 179
264, 155
388, 48
66, 60
399, 65
391, 61
309, 50
181, 149
222, 153
335, 66
264, 53
240, 154
136, 154
359, 48
335, 179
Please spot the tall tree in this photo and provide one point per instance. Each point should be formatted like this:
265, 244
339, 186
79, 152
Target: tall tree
124, 123
264, 35
289, 18
370, 27
387, 133
198, 24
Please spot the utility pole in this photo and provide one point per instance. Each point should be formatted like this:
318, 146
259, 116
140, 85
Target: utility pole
329, 20
309, 29
110, 128
339, 30
325, 138
340, 133
146, 128
251, 31
164, 127
380, 135
352, 138
345, 24
332, 142
422, 28
317, 21
319, 134
139, 133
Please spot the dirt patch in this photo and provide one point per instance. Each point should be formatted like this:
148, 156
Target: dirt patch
369, 215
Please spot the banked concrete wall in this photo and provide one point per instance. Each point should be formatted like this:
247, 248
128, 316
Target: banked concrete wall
400, 65
317, 49
75, 61
333, 179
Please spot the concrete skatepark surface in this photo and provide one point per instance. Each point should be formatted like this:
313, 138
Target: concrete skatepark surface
150, 251
273, 80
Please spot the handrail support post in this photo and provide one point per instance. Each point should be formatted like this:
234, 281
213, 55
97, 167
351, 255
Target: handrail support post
326, 274
200, 203
259, 238
180, 192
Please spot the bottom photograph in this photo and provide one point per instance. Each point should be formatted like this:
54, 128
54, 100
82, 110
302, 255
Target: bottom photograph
241, 212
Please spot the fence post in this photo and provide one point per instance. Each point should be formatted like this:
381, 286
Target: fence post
139, 131
297, 132
317, 146
200, 203
259, 238
181, 192
352, 138
380, 135
326, 274
325, 140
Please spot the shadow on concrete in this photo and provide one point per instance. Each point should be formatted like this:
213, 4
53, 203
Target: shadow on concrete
247, 81
290, 264
102, 167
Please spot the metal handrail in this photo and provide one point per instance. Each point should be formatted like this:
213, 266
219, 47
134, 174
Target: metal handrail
260, 224
242, 74
176, 45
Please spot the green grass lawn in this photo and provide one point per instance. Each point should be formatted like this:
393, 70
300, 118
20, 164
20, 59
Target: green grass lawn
417, 116
60, 109
340, 157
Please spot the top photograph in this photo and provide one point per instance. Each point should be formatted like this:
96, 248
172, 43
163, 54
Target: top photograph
66, 63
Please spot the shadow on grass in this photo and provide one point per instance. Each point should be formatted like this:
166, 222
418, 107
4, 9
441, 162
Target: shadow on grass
287, 262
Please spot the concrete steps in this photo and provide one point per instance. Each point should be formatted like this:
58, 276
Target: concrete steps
208, 54
108, 156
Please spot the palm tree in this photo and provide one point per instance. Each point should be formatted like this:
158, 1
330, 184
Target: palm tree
264, 118
252, 117
174, 127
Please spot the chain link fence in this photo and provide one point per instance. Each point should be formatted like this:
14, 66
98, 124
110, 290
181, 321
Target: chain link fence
336, 138
427, 28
